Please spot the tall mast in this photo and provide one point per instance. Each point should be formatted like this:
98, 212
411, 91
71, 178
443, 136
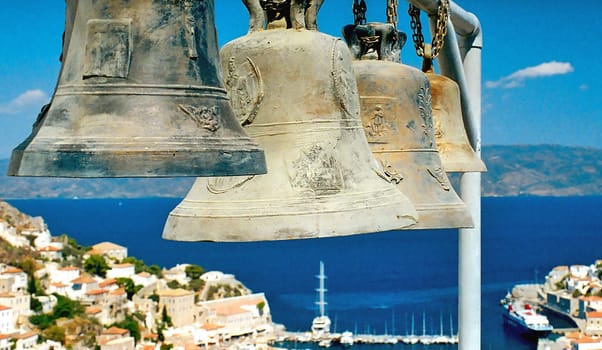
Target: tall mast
321, 290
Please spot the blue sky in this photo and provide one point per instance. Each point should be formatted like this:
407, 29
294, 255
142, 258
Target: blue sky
541, 83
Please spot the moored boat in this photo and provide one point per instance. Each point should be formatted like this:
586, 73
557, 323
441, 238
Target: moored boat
525, 319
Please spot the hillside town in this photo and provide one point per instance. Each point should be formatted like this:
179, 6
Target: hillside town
56, 294
574, 294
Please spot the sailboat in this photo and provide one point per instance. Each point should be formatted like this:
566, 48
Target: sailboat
424, 338
320, 327
412, 338
441, 338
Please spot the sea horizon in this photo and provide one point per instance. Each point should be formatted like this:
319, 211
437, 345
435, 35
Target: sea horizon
375, 281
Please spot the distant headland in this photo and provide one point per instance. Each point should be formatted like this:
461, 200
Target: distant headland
517, 170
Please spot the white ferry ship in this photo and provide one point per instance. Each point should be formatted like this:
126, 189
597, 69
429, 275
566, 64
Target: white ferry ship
525, 319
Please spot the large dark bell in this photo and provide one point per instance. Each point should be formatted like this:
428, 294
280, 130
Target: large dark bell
139, 95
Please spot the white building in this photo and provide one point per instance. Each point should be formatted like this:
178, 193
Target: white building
121, 270
109, 250
144, 279
27, 340
216, 276
243, 315
7, 324
20, 278
51, 252
19, 302
65, 274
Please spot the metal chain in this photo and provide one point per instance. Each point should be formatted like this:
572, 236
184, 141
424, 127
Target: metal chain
359, 12
392, 17
440, 30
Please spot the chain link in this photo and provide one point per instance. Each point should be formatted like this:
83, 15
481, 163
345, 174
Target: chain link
359, 12
392, 17
440, 30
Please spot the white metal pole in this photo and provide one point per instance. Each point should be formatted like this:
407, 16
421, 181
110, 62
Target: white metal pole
461, 61
469, 277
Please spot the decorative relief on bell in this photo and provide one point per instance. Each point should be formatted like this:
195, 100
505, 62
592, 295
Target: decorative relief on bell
204, 117
401, 131
245, 88
392, 175
439, 174
223, 184
378, 124
316, 170
108, 48
344, 82
425, 107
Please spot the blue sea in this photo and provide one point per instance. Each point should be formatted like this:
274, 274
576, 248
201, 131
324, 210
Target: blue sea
376, 282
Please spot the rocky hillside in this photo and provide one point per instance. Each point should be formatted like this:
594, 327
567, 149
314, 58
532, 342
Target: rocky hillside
537, 170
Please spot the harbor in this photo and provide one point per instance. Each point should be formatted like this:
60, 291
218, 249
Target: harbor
321, 335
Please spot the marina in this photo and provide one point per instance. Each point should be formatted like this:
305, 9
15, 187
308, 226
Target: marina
321, 335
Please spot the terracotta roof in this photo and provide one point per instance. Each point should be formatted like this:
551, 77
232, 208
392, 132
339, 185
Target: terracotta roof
115, 331
50, 248
59, 285
122, 266
94, 252
69, 268
586, 340
107, 246
174, 292
12, 270
93, 310
211, 327
148, 347
119, 291
5, 336
4, 307
7, 295
591, 298
25, 335
151, 336
84, 280
594, 314
107, 282
233, 307
97, 292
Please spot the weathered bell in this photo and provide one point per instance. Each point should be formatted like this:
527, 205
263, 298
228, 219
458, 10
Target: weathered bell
139, 95
396, 113
452, 142
296, 94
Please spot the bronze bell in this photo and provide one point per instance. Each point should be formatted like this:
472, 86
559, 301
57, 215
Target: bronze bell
456, 153
397, 117
296, 94
139, 95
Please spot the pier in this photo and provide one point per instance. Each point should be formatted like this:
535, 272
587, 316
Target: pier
335, 339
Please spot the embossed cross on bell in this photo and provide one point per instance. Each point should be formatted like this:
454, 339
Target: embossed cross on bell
396, 112
139, 94
295, 91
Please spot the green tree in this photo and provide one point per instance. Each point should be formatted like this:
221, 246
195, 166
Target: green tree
35, 304
55, 333
165, 319
196, 285
260, 306
173, 284
66, 307
155, 270
96, 265
129, 286
42, 321
131, 325
194, 271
